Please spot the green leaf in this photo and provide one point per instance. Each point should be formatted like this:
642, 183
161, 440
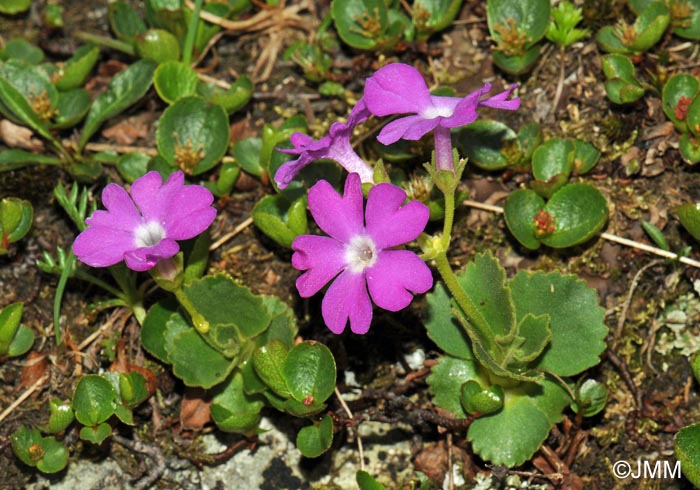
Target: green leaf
592, 396
197, 363
477, 400
446, 380
21, 49
650, 26
530, 17
55, 456
367, 482
576, 319
689, 146
174, 80
431, 16
533, 335
693, 118
309, 371
233, 410
686, 447
14, 159
14, 6
220, 301
688, 27
125, 22
158, 45
517, 64
268, 361
10, 318
125, 89
316, 439
579, 211
71, 108
283, 325
553, 158
93, 400
61, 416
16, 216
132, 166
235, 97
24, 439
96, 435
272, 216
656, 236
19, 106
22, 342
350, 16
154, 327
511, 436
689, 216
76, 69
586, 157
196, 256
676, 96
520, 210
483, 143
193, 134
247, 155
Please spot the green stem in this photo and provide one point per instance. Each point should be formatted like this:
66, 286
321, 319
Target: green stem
60, 288
83, 276
476, 319
449, 219
191, 33
199, 322
106, 41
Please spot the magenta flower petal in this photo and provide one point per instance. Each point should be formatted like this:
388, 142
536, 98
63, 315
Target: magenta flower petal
121, 214
388, 222
396, 89
500, 100
321, 257
347, 299
145, 258
102, 246
339, 216
409, 128
465, 111
395, 274
141, 228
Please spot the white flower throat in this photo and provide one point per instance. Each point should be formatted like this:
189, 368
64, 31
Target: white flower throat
360, 253
149, 234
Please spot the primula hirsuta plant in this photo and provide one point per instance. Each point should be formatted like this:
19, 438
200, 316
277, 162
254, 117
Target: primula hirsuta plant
511, 345
360, 251
141, 227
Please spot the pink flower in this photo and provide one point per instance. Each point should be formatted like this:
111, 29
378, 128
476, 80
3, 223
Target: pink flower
400, 89
360, 252
141, 227
336, 146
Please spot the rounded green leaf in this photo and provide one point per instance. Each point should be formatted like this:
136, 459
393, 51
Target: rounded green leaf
270, 215
22, 341
268, 361
609, 41
235, 97
193, 135
517, 64
689, 147
14, 6
309, 371
197, 363
483, 143
10, 318
623, 92
233, 410
586, 157
55, 456
125, 22
132, 166
154, 328
22, 49
314, 440
16, 217
650, 26
26, 444
174, 80
93, 400
61, 416
33, 83
687, 451
71, 108
592, 396
158, 45
349, 17
555, 157
96, 435
689, 216
529, 17
367, 482
442, 327
618, 66
76, 69
446, 380
576, 320
511, 436
689, 27
478, 400
579, 211
521, 208
693, 117
676, 96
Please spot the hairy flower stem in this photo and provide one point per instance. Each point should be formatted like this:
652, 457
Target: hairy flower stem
444, 158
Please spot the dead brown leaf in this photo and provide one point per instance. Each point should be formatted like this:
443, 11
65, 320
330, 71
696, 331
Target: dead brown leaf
128, 131
33, 369
194, 411
15, 136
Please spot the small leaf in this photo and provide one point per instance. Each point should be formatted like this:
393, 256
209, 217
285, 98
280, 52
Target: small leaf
132, 166
349, 17
686, 447
309, 372
10, 318
125, 89
96, 435
689, 146
93, 400
477, 400
25, 444
189, 351
271, 216
158, 45
154, 327
484, 143
125, 22
579, 211
586, 157
656, 236
367, 482
21, 49
268, 361
71, 108
22, 342
61, 416
689, 216
517, 64
14, 159
55, 456
592, 396
676, 96
535, 334
553, 158
520, 210
314, 440
446, 380
174, 80
233, 410
235, 97
76, 69
193, 135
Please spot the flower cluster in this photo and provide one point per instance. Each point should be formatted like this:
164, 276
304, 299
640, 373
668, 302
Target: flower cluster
359, 252
141, 227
